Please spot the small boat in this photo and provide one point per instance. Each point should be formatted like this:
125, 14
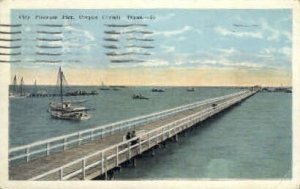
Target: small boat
104, 87
115, 88
66, 107
81, 93
190, 89
76, 116
139, 96
157, 90
67, 110
21, 93
93, 92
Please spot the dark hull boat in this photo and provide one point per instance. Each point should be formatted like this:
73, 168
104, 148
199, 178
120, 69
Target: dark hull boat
190, 90
139, 96
157, 90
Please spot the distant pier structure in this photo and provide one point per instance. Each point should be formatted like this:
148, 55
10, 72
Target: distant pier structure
99, 152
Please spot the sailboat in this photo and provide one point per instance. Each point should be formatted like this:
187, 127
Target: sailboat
35, 88
14, 89
15, 93
66, 110
104, 87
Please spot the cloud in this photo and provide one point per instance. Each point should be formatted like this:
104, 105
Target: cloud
156, 63
244, 64
225, 62
164, 17
78, 39
80, 33
272, 52
148, 63
173, 33
168, 49
227, 32
227, 51
274, 34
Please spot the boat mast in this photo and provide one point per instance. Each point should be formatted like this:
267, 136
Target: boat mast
21, 86
15, 84
61, 83
35, 87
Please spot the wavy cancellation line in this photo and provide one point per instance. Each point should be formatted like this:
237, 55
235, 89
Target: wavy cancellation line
140, 46
47, 61
10, 47
48, 47
138, 31
10, 61
51, 25
125, 25
17, 39
112, 32
110, 46
127, 61
110, 39
48, 54
126, 53
139, 39
11, 54
10, 25
47, 39
10, 33
49, 32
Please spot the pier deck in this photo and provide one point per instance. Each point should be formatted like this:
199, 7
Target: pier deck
98, 156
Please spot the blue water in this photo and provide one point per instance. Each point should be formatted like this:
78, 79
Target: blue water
30, 121
252, 140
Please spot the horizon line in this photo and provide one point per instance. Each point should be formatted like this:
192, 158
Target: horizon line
115, 85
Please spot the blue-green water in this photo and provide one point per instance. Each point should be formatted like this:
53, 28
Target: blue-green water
251, 140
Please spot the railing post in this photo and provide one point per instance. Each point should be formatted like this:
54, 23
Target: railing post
105, 168
79, 139
61, 173
111, 130
83, 169
65, 145
129, 150
148, 140
27, 154
140, 146
117, 156
48, 148
102, 162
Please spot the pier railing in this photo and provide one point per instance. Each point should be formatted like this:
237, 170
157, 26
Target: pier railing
61, 143
104, 160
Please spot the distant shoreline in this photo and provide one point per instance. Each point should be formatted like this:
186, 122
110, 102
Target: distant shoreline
159, 86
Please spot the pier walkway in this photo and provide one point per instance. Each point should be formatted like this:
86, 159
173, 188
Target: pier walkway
94, 152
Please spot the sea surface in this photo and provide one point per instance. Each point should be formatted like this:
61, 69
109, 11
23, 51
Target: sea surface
250, 141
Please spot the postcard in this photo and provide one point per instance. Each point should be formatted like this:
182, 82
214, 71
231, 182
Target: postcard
149, 94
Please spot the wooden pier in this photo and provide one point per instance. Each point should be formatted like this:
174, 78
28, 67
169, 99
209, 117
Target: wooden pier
99, 151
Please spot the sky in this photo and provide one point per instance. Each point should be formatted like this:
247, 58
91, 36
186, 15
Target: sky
189, 47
